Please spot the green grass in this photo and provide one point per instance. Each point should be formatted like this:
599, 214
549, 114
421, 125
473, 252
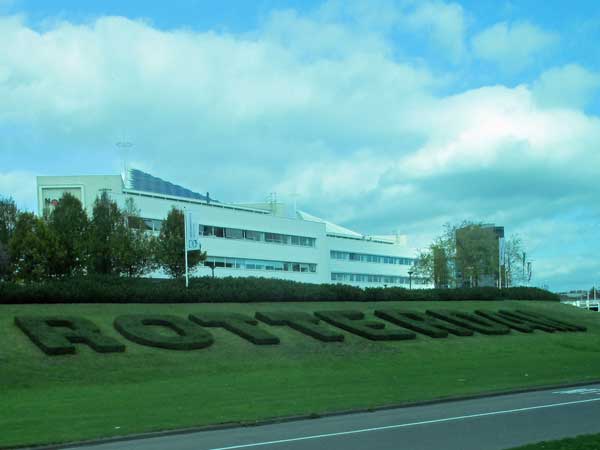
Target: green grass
587, 442
88, 395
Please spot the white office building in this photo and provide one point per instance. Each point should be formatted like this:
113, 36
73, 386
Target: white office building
268, 239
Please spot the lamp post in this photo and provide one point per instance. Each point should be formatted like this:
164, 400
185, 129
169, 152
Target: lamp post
410, 272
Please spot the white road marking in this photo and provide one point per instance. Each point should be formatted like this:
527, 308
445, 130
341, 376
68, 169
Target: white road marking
404, 425
581, 391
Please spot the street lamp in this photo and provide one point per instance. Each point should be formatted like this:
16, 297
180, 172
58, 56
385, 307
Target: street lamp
410, 272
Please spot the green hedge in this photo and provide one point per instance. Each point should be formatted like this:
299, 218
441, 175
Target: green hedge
422, 323
470, 321
302, 322
103, 289
354, 322
56, 335
585, 442
244, 326
141, 329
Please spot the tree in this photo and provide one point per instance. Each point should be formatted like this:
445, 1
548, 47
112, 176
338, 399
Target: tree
134, 248
467, 254
477, 253
8, 219
106, 219
170, 246
33, 249
4, 261
436, 263
515, 268
69, 223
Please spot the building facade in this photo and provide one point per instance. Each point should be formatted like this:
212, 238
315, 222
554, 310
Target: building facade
268, 239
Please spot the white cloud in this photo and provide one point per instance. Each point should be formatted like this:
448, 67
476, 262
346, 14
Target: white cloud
569, 86
443, 23
512, 46
305, 104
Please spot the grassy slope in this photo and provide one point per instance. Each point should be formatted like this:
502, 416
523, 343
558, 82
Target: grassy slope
588, 442
87, 395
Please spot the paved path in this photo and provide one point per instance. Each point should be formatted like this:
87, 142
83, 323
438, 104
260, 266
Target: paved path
493, 423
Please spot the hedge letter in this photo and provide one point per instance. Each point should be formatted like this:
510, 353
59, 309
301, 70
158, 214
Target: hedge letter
543, 321
242, 325
511, 322
302, 322
470, 321
354, 322
422, 323
55, 335
138, 328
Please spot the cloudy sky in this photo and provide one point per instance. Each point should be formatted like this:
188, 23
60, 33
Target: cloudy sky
379, 115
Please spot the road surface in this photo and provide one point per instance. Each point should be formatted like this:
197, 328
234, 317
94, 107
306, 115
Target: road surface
493, 423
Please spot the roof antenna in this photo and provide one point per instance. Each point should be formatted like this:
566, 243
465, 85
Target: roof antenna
124, 147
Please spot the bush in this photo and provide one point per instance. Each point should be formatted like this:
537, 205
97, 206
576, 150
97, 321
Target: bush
138, 328
112, 289
56, 335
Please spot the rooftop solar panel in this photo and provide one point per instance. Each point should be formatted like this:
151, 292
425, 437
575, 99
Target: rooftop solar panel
142, 181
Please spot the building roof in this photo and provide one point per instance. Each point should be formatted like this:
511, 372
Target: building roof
330, 227
142, 181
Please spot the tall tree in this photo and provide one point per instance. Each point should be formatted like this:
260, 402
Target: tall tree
69, 222
33, 249
477, 253
106, 219
8, 218
467, 253
170, 246
133, 247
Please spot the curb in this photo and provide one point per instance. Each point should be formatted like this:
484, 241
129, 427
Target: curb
286, 419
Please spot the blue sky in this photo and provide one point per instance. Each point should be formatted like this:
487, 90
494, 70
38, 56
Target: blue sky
380, 115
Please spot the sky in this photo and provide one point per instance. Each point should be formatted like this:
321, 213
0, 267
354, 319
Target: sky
383, 116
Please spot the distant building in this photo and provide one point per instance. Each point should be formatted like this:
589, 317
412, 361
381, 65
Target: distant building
478, 255
269, 239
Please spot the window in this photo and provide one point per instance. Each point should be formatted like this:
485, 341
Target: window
234, 233
252, 235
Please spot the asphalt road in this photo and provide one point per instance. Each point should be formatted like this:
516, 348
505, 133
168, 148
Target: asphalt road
493, 423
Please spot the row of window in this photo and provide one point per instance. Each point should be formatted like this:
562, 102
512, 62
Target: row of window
363, 257
365, 278
250, 235
258, 264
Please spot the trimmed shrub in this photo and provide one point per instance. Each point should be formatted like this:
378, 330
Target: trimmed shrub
302, 322
542, 319
244, 326
511, 322
354, 322
138, 328
470, 321
111, 289
421, 323
55, 335
534, 325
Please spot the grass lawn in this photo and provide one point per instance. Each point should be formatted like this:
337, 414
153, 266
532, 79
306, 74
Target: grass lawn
48, 399
587, 442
